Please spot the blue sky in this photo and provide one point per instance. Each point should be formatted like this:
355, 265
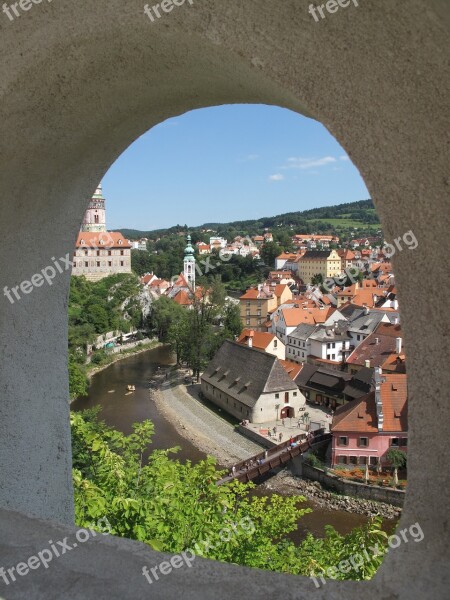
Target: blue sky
228, 163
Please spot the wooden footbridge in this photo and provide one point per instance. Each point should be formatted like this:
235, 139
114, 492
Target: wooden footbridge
279, 455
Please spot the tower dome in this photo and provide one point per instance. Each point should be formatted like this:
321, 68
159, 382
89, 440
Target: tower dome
189, 263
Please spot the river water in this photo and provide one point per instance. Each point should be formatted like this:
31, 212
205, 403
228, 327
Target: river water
108, 389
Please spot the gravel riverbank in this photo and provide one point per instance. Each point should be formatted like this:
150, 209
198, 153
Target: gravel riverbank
285, 483
199, 424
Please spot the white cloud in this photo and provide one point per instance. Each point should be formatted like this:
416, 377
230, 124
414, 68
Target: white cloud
297, 162
276, 177
249, 158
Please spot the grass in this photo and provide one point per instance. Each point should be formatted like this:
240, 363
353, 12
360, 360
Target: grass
347, 224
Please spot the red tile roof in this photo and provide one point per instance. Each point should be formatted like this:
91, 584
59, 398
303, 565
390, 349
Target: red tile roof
360, 416
292, 369
260, 339
102, 239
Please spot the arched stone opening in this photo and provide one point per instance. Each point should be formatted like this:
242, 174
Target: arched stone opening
82, 81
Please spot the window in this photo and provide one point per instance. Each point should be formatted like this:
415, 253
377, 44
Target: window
395, 442
86, 264
248, 321
363, 441
98, 252
121, 263
343, 440
98, 263
109, 263
403, 442
295, 394
275, 343
363, 460
277, 396
109, 253
353, 460
342, 460
373, 460
121, 253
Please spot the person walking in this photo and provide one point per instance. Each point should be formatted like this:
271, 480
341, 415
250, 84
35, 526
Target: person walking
280, 437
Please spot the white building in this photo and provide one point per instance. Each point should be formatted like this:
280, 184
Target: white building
250, 384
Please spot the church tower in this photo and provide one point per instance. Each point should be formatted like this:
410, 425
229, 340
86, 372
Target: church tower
95, 215
189, 264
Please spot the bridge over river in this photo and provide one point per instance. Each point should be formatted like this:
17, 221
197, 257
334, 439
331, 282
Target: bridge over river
279, 455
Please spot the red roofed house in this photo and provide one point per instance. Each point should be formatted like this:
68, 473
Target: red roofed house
382, 348
262, 341
255, 305
364, 430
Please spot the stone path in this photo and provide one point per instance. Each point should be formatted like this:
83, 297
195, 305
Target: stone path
203, 427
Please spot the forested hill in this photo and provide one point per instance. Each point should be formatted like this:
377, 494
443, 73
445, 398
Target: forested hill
359, 215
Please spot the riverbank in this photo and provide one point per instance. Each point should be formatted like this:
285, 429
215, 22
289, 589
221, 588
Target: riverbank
210, 433
113, 358
194, 421
285, 483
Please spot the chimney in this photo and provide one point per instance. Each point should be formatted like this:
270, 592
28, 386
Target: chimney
366, 309
398, 345
396, 321
395, 304
250, 339
377, 341
367, 363
378, 401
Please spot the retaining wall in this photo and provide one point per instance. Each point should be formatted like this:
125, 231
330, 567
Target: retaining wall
353, 488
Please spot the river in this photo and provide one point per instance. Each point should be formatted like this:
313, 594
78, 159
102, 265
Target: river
108, 389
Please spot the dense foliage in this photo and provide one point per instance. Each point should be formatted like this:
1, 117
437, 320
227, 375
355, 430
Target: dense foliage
171, 506
95, 308
196, 334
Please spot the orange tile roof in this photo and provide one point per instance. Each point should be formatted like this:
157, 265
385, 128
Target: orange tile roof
254, 294
292, 369
183, 298
361, 415
296, 316
279, 289
102, 239
260, 339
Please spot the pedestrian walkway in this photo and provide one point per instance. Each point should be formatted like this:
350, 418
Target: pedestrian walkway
280, 430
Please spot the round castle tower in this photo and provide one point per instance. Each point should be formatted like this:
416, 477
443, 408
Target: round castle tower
95, 215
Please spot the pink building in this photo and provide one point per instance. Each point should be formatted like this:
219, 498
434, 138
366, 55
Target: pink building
364, 430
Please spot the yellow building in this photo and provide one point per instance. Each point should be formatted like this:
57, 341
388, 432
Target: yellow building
256, 305
324, 262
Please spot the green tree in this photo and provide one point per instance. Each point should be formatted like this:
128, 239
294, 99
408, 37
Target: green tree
78, 382
397, 458
269, 252
232, 325
173, 506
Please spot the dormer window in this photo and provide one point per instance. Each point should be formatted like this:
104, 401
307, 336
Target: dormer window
120, 242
